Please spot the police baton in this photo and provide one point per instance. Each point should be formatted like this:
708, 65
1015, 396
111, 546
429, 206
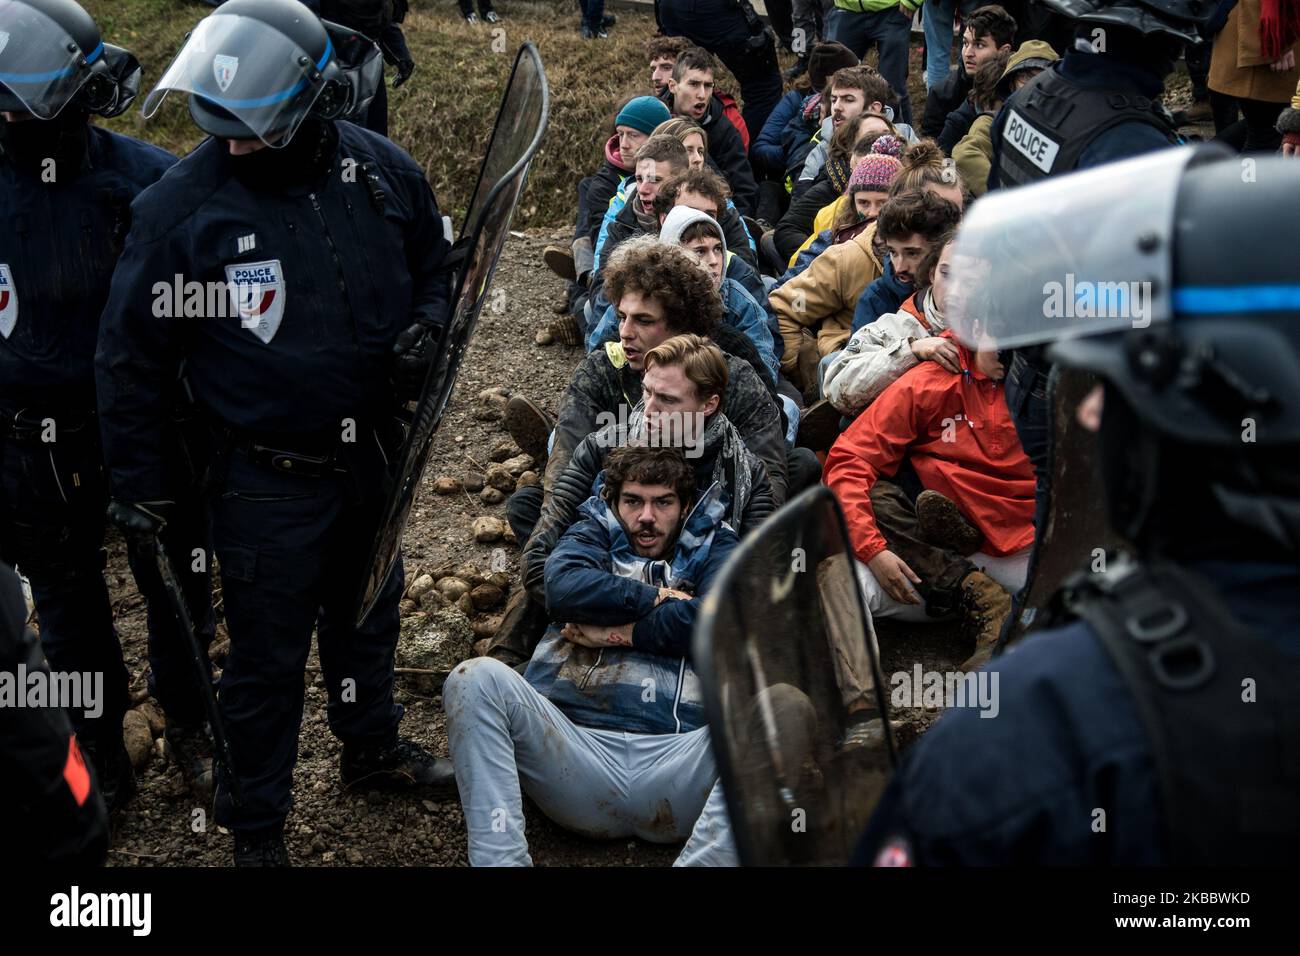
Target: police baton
222, 758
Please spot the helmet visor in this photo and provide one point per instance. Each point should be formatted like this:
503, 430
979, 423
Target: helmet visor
243, 68
1082, 254
41, 66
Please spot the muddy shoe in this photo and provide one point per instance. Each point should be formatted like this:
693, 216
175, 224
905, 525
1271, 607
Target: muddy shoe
819, 426
113, 771
191, 749
401, 765
943, 525
986, 604
529, 426
260, 848
566, 330
560, 261
521, 629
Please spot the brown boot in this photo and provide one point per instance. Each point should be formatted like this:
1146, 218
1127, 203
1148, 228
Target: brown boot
521, 628
944, 526
560, 261
819, 426
566, 330
987, 605
529, 426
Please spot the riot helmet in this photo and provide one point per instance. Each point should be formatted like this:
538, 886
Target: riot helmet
51, 55
1149, 18
258, 68
1170, 277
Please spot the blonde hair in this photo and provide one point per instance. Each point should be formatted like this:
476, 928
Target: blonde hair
679, 128
702, 362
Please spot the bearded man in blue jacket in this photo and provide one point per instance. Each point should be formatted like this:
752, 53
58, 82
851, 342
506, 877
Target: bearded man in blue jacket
605, 730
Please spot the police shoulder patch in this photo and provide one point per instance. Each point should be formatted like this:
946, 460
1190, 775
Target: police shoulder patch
8, 301
257, 293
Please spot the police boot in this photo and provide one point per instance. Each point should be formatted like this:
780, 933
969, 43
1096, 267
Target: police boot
400, 765
944, 526
986, 604
529, 426
191, 750
113, 770
261, 848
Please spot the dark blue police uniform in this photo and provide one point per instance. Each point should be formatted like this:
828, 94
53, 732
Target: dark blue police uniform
1025, 786
328, 248
65, 223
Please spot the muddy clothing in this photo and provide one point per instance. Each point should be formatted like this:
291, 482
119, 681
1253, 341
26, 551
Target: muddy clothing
1071, 738
576, 485
599, 385
50, 808
602, 187
506, 740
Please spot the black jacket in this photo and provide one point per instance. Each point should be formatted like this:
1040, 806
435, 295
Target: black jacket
943, 99
574, 486
957, 125
797, 223
728, 153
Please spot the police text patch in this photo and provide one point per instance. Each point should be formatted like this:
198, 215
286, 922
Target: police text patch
257, 290
1036, 146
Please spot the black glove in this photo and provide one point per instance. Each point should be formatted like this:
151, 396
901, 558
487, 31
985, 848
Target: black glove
140, 521
392, 43
414, 351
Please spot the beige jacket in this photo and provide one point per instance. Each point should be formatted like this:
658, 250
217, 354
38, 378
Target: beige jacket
822, 297
1237, 68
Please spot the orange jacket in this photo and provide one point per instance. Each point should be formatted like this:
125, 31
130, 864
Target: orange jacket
958, 434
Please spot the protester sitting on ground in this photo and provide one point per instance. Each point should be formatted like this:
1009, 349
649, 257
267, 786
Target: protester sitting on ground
690, 95
769, 151
702, 236
988, 31
853, 91
683, 389
821, 196
663, 53
797, 223
877, 354
973, 155
634, 122
623, 588
691, 135
658, 160
660, 291
938, 496
705, 190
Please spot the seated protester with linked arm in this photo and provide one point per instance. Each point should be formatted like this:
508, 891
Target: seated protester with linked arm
659, 291
683, 389
663, 53
925, 172
690, 95
634, 121
700, 234
988, 31
877, 354
859, 89
813, 214
973, 155
577, 732
769, 150
938, 496
703, 189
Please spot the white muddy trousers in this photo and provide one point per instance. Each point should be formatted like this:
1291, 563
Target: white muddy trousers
605, 784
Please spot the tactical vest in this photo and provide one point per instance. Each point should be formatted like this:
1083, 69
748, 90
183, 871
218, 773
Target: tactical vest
1219, 705
1052, 120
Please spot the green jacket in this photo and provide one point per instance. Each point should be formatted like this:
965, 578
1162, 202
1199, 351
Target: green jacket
873, 6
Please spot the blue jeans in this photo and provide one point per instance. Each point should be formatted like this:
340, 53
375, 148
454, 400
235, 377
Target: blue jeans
889, 31
937, 17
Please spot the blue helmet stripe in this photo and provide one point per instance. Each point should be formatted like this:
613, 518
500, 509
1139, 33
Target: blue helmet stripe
50, 75
1224, 299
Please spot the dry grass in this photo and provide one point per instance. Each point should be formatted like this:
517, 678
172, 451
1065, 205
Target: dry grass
444, 115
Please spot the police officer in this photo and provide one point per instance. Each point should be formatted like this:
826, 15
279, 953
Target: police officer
66, 189
1155, 723
315, 245
1098, 104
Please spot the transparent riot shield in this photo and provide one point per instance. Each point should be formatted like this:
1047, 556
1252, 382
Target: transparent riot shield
516, 137
798, 714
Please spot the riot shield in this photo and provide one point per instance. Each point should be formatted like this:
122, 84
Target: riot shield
516, 136
798, 714
1077, 528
